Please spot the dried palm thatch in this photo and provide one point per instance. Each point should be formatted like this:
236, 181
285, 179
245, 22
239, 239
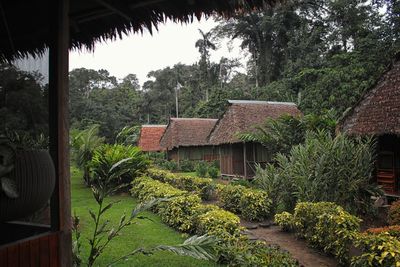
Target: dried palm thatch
25, 25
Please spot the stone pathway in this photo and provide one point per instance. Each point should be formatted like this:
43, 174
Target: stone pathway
298, 248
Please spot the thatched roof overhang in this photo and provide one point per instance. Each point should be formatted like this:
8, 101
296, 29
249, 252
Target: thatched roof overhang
378, 111
25, 25
187, 132
242, 116
150, 136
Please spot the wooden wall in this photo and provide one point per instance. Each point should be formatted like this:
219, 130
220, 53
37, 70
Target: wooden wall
37, 251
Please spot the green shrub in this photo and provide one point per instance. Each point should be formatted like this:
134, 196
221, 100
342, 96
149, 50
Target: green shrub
213, 172
254, 205
186, 166
394, 213
377, 250
220, 223
179, 211
284, 220
105, 156
201, 168
229, 197
324, 225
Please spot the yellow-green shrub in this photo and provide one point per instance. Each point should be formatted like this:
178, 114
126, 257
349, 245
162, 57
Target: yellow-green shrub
394, 213
145, 188
229, 197
284, 220
252, 204
377, 250
255, 205
203, 186
179, 211
324, 225
220, 223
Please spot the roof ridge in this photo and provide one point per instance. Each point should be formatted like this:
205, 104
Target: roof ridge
209, 119
261, 102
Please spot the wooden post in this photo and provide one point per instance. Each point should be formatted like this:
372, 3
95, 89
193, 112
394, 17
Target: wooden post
231, 154
59, 128
244, 160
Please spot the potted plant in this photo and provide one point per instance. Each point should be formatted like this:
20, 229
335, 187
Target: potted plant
27, 179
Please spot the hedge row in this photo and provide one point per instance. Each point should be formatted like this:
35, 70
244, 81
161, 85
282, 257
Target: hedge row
251, 204
185, 212
202, 186
324, 225
327, 226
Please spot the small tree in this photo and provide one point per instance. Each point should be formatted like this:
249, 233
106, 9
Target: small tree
84, 144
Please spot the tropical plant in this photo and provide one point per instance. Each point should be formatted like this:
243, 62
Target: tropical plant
281, 134
84, 143
325, 169
128, 136
105, 156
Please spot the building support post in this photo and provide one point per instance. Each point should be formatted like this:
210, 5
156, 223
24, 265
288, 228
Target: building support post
244, 160
59, 128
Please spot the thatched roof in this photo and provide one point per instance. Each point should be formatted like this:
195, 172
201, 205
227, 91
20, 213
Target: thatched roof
25, 27
242, 116
187, 132
378, 111
150, 136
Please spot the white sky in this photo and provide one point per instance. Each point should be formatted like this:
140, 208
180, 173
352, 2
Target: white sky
140, 54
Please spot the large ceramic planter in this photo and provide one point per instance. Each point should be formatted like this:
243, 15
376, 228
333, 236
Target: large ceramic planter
34, 175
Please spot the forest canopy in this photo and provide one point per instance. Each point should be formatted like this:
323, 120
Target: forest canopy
322, 55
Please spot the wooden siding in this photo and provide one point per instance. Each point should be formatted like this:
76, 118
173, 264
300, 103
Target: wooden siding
232, 158
37, 251
208, 153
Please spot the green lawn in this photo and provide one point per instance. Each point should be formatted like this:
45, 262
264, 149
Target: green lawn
144, 233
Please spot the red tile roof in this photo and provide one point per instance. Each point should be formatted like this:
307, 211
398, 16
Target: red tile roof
187, 132
378, 111
242, 115
150, 136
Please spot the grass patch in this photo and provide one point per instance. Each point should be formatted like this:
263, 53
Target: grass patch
144, 233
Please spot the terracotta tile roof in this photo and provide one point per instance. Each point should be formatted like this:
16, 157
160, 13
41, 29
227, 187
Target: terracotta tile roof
378, 111
187, 132
242, 115
150, 136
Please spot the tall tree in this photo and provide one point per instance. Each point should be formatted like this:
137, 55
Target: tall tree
205, 44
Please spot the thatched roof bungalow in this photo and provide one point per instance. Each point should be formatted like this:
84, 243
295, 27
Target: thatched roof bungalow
32, 27
378, 114
150, 136
242, 116
187, 139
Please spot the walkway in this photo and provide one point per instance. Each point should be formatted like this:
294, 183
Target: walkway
298, 248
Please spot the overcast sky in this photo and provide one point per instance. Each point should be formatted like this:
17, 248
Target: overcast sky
139, 54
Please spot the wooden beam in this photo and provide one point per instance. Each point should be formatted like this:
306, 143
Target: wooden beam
115, 9
59, 128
